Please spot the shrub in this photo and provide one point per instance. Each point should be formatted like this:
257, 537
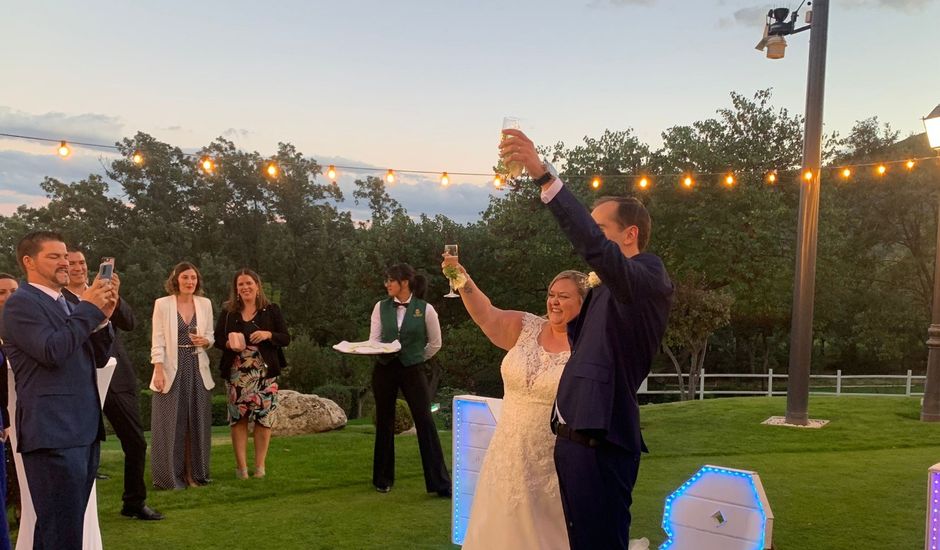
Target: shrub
403, 419
311, 366
445, 415
219, 409
347, 397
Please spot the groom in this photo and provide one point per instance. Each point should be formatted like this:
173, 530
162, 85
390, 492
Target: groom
613, 342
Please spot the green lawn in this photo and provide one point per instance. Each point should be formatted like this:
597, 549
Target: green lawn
858, 483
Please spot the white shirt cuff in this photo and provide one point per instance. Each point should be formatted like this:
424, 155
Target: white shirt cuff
553, 189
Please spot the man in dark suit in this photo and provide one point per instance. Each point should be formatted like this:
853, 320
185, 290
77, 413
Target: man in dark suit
55, 350
8, 286
122, 403
613, 342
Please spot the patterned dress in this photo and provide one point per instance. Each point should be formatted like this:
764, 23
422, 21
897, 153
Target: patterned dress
250, 391
181, 416
517, 504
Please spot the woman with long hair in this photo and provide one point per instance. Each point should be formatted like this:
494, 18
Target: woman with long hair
251, 333
181, 414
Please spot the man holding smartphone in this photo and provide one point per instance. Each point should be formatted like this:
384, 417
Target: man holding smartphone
122, 404
55, 349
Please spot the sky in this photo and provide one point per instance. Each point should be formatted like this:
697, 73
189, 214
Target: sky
424, 85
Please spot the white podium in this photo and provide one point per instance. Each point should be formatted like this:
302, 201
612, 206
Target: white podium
474, 423
92, 533
718, 509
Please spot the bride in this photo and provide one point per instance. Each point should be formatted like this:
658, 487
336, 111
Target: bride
517, 504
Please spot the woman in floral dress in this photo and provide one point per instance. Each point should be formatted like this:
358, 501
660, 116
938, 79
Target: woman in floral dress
251, 334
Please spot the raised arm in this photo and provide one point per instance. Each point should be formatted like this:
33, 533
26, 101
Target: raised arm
501, 326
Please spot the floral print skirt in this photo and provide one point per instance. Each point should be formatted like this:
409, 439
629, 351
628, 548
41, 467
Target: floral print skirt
251, 392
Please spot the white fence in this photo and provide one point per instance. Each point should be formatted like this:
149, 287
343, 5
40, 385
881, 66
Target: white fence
771, 384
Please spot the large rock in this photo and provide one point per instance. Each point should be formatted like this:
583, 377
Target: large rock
299, 413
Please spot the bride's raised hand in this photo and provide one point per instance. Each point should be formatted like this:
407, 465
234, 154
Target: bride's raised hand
451, 262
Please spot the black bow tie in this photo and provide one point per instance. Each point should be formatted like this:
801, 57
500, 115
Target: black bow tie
399, 304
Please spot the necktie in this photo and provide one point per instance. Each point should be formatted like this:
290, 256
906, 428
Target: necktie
64, 305
399, 304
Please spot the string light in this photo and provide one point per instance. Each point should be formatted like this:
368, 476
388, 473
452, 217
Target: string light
208, 166
272, 170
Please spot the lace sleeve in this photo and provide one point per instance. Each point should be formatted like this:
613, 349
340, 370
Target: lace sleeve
531, 327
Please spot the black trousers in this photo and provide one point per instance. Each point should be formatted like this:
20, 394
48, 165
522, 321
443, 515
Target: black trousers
60, 483
123, 412
596, 485
411, 380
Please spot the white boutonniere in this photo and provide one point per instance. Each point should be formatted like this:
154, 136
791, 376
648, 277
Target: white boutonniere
593, 280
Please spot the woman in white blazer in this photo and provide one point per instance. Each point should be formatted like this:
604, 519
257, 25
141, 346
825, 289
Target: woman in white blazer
181, 414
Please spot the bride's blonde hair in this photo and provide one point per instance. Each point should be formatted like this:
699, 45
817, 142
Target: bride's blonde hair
579, 279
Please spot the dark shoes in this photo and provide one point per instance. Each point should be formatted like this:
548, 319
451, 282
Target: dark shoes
144, 512
445, 493
383, 489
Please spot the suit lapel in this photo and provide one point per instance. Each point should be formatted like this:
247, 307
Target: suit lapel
46, 302
574, 326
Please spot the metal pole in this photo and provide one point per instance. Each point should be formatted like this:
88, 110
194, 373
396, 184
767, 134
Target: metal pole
804, 284
930, 411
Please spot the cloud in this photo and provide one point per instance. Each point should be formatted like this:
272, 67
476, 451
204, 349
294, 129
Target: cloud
619, 3
88, 127
750, 17
907, 6
234, 133
461, 202
21, 173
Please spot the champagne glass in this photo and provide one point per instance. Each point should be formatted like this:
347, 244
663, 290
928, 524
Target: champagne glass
514, 168
194, 331
450, 258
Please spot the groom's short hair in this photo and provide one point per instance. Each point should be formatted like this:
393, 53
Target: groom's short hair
630, 211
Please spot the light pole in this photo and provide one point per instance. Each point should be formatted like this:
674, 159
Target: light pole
930, 411
804, 283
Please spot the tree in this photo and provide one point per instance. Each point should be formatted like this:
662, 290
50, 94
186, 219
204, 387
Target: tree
697, 312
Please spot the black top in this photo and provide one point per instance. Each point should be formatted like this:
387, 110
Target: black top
268, 318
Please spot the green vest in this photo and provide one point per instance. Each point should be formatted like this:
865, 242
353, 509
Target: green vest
413, 334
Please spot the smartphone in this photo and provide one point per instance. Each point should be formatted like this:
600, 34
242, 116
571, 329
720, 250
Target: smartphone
106, 268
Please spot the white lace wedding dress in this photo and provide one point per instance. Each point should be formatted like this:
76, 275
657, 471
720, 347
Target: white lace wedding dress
516, 503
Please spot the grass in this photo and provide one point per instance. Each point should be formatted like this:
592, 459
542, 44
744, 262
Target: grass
858, 483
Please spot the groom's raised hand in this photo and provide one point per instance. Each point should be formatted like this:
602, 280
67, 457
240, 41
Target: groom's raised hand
521, 149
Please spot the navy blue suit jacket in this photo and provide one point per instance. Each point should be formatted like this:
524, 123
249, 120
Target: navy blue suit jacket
54, 359
617, 334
